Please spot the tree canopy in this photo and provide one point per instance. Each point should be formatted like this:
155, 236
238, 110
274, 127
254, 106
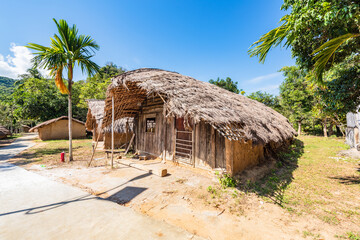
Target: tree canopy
227, 84
319, 33
267, 99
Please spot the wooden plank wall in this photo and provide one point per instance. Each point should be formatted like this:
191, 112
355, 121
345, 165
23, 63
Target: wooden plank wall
152, 143
209, 147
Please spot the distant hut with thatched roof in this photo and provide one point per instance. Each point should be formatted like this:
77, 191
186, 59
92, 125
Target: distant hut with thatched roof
25, 128
123, 128
4, 132
58, 128
181, 119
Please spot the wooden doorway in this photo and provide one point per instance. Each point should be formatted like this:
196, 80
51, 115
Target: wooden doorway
183, 142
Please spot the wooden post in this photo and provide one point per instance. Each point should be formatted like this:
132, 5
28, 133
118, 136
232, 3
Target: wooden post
132, 139
93, 153
193, 139
165, 141
213, 148
229, 157
112, 131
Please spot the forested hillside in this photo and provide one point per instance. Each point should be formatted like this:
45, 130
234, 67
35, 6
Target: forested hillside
6, 87
32, 98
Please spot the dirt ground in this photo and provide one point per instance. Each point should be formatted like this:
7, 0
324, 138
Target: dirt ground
189, 198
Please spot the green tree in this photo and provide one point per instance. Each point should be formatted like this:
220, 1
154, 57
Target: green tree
340, 92
31, 73
67, 50
315, 31
295, 96
227, 84
95, 87
267, 99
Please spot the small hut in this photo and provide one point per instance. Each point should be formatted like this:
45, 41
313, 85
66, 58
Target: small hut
25, 128
4, 132
181, 119
94, 118
123, 128
58, 128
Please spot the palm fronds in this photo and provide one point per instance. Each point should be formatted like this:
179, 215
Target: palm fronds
272, 39
67, 49
327, 51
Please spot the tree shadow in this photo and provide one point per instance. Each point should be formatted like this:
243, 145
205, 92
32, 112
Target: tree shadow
275, 182
348, 180
128, 192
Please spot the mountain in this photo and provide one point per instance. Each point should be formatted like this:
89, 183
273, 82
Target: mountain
6, 87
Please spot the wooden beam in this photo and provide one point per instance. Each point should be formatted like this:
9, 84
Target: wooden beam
229, 156
112, 132
93, 153
213, 148
131, 140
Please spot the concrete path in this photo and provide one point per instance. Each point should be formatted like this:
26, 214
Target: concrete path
34, 207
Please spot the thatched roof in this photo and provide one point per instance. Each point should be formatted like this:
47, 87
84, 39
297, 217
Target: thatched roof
122, 125
43, 124
4, 131
95, 116
95, 113
233, 115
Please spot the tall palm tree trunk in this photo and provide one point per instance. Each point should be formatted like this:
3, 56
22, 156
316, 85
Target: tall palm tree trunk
70, 114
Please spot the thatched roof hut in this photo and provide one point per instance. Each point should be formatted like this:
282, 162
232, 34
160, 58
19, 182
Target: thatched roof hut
233, 115
57, 128
95, 113
94, 120
95, 116
4, 132
25, 128
179, 117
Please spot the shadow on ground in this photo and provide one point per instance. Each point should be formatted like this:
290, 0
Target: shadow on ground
36, 155
348, 180
121, 197
273, 184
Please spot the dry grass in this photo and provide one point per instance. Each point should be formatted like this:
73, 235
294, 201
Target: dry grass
47, 153
312, 179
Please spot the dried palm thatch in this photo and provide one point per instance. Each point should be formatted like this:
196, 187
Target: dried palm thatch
4, 132
234, 116
43, 124
95, 116
122, 125
95, 113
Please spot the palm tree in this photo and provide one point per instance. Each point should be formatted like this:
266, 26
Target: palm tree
322, 55
67, 50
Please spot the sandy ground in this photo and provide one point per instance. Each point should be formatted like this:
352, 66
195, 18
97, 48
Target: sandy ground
182, 199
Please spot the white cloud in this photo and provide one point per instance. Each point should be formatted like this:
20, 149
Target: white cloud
264, 77
270, 88
13, 66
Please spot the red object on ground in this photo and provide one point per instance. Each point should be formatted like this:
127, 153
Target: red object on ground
62, 156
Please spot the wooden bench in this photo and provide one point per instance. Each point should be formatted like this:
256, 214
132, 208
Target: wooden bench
109, 152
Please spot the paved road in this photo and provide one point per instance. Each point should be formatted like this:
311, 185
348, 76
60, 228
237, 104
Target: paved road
34, 207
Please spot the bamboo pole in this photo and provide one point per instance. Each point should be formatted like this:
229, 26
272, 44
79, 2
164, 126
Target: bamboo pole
93, 154
131, 140
112, 131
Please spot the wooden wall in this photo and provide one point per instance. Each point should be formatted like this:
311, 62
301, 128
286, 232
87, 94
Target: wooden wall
119, 140
210, 149
241, 155
152, 142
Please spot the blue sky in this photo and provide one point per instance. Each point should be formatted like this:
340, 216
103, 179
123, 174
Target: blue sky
204, 39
